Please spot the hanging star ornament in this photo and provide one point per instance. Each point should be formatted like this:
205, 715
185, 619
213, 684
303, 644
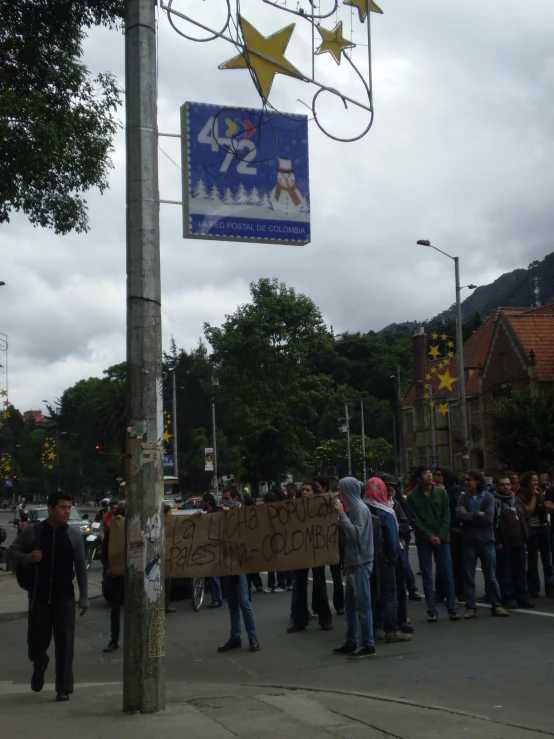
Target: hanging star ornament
434, 351
444, 337
446, 380
427, 376
166, 436
426, 396
444, 409
333, 42
361, 6
432, 403
450, 345
263, 55
4, 393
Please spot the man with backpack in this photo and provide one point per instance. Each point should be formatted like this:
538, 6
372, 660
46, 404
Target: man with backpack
48, 555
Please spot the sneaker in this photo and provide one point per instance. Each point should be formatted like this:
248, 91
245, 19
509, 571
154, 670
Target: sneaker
454, 616
313, 616
432, 618
345, 648
379, 635
361, 652
470, 613
62, 697
254, 645
112, 647
326, 627
397, 637
215, 604
269, 590
37, 679
414, 595
407, 629
280, 590
290, 587
501, 612
231, 644
294, 628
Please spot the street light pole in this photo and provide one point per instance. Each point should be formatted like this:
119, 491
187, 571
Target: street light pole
348, 438
363, 440
143, 664
459, 354
175, 459
400, 436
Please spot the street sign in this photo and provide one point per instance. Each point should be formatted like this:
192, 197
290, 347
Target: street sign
168, 460
8, 483
245, 175
208, 459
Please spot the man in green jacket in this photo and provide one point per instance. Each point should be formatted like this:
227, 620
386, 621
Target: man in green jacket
429, 511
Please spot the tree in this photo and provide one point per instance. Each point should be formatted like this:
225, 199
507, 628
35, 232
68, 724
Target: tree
266, 202
254, 196
214, 194
242, 195
334, 453
263, 358
228, 198
200, 192
57, 123
523, 430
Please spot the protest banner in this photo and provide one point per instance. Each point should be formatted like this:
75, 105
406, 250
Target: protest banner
288, 535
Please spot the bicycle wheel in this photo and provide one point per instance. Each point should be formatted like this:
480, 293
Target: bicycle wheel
198, 591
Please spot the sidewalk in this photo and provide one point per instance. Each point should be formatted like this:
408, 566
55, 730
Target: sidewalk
233, 711
14, 601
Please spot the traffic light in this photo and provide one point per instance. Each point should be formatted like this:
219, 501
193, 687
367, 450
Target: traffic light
14, 480
97, 449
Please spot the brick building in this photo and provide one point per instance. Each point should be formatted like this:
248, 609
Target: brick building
514, 348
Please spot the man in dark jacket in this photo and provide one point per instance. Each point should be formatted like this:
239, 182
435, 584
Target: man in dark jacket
113, 588
475, 511
321, 487
57, 554
511, 533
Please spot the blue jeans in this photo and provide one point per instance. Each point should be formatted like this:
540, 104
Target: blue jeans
511, 563
236, 589
426, 552
358, 605
487, 554
539, 543
215, 589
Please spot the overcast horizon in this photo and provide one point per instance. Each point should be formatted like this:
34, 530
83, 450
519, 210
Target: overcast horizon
460, 152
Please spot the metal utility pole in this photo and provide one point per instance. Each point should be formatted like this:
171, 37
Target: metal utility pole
400, 436
214, 435
434, 458
143, 664
461, 371
363, 440
175, 459
348, 438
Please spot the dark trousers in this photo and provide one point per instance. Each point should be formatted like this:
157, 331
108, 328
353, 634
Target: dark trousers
300, 615
254, 580
401, 595
276, 579
338, 587
457, 557
386, 606
114, 591
539, 543
43, 621
511, 573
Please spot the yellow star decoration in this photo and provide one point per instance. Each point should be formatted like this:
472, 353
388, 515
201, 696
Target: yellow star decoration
6, 414
450, 355
434, 351
50, 466
432, 404
427, 376
444, 337
333, 42
434, 336
166, 436
264, 56
4, 393
51, 455
426, 396
1, 424
450, 345
447, 380
434, 370
361, 5
444, 409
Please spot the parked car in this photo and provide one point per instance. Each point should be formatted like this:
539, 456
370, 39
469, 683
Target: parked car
76, 521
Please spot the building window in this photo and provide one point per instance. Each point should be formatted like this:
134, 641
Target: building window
420, 418
503, 363
409, 422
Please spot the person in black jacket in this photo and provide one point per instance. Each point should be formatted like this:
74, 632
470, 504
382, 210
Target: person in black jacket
448, 480
57, 554
113, 587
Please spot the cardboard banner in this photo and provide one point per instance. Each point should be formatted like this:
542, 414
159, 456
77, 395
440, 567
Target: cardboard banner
290, 535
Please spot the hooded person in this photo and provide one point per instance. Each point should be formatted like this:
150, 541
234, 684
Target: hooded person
386, 609
357, 528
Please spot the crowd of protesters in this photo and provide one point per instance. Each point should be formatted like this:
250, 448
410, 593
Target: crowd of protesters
501, 523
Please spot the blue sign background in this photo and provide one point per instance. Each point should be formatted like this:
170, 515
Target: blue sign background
232, 189
168, 460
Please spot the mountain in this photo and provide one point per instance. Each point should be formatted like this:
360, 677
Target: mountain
511, 290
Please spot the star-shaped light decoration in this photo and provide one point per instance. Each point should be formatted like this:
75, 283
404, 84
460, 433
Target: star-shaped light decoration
166, 436
51, 455
444, 409
432, 404
450, 345
361, 5
50, 466
427, 376
434, 370
444, 337
434, 336
446, 380
426, 396
4, 393
6, 414
333, 42
264, 55
434, 351
450, 355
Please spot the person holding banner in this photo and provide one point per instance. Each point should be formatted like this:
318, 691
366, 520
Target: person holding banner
357, 527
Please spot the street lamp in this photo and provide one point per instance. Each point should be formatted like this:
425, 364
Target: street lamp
459, 352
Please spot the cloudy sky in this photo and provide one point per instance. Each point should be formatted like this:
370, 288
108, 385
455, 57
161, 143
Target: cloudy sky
461, 152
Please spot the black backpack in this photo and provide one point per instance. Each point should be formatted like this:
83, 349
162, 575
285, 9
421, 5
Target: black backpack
26, 576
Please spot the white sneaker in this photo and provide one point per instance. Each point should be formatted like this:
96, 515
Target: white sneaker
280, 590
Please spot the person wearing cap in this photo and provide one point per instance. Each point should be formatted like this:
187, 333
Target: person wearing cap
104, 508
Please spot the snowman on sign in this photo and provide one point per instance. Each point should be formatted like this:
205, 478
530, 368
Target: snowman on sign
285, 196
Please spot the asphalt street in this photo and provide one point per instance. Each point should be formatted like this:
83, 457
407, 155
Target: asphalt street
496, 668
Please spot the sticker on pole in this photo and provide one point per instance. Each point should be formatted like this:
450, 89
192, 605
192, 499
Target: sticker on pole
245, 175
208, 459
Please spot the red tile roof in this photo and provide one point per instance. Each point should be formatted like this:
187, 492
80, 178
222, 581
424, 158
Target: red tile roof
535, 330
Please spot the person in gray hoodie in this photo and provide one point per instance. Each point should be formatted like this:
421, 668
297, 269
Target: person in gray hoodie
357, 527
56, 555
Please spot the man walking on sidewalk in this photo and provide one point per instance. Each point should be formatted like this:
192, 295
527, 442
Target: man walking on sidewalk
56, 554
475, 511
358, 533
429, 510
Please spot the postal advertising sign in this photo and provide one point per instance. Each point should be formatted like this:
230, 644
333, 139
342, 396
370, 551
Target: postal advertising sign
245, 175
